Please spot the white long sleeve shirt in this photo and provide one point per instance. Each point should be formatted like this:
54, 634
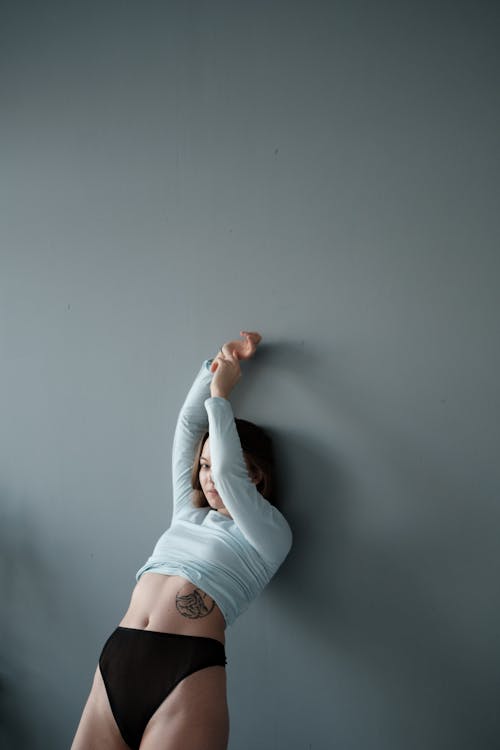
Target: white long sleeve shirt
230, 559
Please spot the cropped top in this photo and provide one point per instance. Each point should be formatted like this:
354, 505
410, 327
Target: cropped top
230, 559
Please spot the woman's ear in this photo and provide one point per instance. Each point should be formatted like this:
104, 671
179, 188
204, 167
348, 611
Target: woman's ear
256, 475
254, 472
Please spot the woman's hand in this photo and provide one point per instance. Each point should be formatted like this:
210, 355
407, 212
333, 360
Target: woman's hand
242, 349
226, 364
226, 376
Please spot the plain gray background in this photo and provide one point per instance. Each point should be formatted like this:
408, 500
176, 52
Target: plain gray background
326, 173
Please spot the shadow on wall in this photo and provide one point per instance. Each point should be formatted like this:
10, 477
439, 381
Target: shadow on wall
373, 570
13, 725
316, 510
315, 500
16, 560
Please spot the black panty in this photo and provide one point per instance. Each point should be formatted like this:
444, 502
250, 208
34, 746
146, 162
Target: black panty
140, 668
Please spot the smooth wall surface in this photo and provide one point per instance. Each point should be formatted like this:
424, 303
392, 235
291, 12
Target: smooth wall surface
327, 173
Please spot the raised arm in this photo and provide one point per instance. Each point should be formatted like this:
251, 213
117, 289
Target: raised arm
263, 526
261, 523
192, 421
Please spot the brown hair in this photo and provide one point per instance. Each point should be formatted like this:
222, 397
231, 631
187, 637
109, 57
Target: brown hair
257, 450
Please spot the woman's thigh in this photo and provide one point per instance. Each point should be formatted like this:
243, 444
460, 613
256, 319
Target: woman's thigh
193, 717
97, 729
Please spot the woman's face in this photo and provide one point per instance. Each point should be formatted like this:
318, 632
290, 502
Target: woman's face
207, 484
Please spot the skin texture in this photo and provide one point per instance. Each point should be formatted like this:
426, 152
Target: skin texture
195, 715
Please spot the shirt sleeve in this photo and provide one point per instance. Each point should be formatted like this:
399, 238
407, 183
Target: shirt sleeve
263, 526
192, 422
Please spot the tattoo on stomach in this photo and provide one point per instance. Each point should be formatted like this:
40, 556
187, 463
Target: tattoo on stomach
195, 604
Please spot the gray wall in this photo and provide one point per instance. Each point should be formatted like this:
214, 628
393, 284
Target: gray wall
326, 173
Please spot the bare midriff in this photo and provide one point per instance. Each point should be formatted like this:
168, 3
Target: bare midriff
171, 604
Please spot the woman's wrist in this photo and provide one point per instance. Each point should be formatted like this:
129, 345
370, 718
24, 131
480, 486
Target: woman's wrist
218, 393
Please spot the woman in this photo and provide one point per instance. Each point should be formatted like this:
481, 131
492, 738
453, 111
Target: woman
161, 682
